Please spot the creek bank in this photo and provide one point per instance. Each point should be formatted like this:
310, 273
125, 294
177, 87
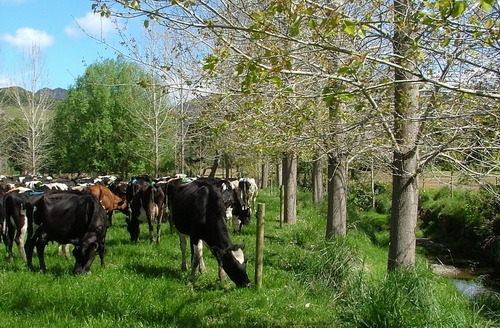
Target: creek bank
471, 275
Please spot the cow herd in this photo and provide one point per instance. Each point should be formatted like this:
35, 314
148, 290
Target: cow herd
36, 211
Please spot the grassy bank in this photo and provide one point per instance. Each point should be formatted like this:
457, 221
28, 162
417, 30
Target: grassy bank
307, 282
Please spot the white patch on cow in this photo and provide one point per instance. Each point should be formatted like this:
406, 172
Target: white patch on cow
35, 226
229, 213
57, 186
156, 210
224, 187
23, 229
142, 213
239, 256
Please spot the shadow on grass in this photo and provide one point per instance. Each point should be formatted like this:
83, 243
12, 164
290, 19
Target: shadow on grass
156, 271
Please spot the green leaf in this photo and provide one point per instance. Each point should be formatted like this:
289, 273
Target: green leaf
446, 41
295, 26
146, 23
135, 4
349, 26
486, 4
361, 33
277, 82
458, 9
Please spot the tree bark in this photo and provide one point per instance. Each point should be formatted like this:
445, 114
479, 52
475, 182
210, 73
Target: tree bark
318, 181
290, 185
264, 175
215, 165
279, 174
336, 224
404, 208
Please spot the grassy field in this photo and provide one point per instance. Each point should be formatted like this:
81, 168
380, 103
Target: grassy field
307, 282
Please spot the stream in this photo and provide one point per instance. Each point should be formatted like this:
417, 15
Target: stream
464, 273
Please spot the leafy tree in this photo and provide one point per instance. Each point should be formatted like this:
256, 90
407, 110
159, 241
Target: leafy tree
98, 131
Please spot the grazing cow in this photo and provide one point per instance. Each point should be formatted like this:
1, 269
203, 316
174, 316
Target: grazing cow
198, 211
248, 191
119, 188
146, 204
109, 201
236, 210
14, 220
66, 217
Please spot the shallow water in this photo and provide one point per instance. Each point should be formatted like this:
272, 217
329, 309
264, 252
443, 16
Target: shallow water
470, 288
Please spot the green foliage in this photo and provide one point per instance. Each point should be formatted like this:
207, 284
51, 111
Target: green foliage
469, 220
407, 298
97, 134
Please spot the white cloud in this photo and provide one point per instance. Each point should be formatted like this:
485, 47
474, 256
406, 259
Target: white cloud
92, 24
6, 82
27, 36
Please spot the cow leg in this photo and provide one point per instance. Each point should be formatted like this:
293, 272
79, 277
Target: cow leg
235, 222
9, 241
28, 247
158, 231
66, 250
194, 262
196, 256
110, 217
182, 242
199, 247
20, 235
101, 255
40, 249
222, 273
151, 228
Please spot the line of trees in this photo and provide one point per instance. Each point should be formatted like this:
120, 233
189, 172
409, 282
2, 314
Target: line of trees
387, 85
399, 84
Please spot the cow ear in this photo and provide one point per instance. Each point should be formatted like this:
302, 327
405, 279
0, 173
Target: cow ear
218, 253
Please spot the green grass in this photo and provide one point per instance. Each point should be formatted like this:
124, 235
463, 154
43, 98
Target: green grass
307, 282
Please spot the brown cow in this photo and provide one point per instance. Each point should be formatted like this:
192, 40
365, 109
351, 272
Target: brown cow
108, 200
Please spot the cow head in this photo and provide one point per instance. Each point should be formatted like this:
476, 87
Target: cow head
234, 262
85, 254
133, 229
231, 199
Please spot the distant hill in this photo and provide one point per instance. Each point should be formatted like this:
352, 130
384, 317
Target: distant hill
6, 100
58, 93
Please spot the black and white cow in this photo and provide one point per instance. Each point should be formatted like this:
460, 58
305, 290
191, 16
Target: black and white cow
248, 190
66, 217
237, 212
198, 211
14, 220
146, 204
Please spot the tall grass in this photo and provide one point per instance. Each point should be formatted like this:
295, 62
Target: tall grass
307, 282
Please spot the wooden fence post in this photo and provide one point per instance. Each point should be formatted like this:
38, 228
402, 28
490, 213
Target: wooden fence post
259, 245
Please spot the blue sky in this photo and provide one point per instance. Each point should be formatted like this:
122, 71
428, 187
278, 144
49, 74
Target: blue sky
56, 27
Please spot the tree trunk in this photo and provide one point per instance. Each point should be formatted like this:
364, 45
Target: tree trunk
336, 224
317, 181
264, 175
404, 208
290, 185
215, 165
227, 164
279, 174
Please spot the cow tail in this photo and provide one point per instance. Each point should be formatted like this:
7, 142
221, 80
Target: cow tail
3, 225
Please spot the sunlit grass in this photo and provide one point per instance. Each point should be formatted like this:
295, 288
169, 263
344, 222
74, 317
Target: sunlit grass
307, 282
